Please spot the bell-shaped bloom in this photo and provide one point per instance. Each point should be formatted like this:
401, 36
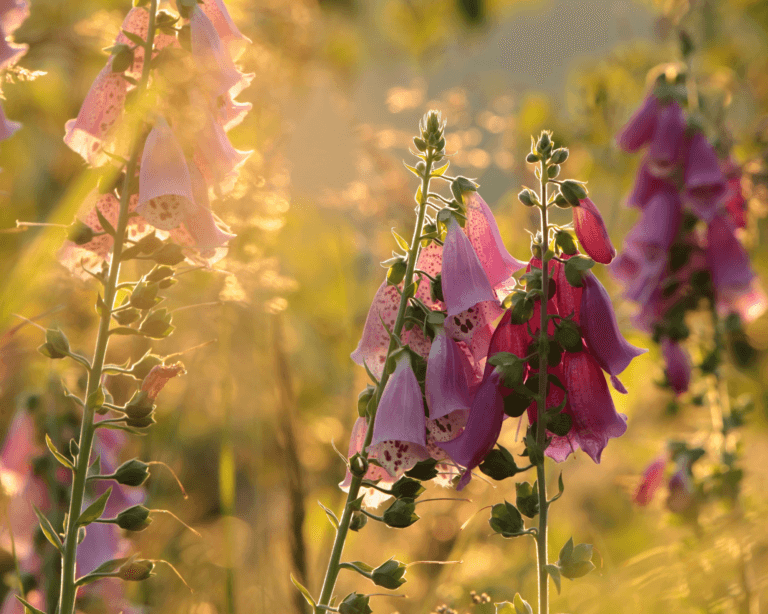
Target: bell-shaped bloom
136, 22
601, 330
7, 127
704, 180
560, 447
165, 188
228, 32
592, 233
667, 142
646, 186
465, 283
678, 365
482, 429
201, 224
640, 128
680, 497
734, 200
446, 386
217, 159
400, 427
736, 288
639, 271
372, 497
231, 112
595, 420
483, 233
218, 72
102, 108
567, 297
158, 377
652, 479
659, 223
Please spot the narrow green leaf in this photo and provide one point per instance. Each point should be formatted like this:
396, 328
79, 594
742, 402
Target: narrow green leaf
439, 172
47, 528
304, 591
401, 241
28, 607
554, 572
331, 516
95, 509
58, 455
108, 228
134, 38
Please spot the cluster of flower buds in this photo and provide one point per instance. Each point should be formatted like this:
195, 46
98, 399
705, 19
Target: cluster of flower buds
12, 15
468, 356
186, 156
686, 245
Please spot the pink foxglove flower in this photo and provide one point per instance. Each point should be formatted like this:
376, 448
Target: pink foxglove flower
201, 225
646, 185
137, 22
734, 200
704, 180
158, 377
465, 283
678, 365
7, 127
640, 128
230, 35
373, 498
592, 233
652, 479
667, 142
601, 331
481, 431
659, 223
446, 386
217, 159
165, 187
399, 429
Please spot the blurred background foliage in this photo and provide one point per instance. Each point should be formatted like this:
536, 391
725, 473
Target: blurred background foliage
340, 87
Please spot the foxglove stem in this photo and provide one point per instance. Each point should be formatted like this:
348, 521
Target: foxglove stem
541, 408
332, 572
68, 592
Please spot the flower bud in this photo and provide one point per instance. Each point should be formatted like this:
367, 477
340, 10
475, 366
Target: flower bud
389, 574
436, 288
135, 571
135, 518
420, 144
529, 198
358, 521
532, 158
544, 146
141, 423
144, 296
363, 399
553, 171
560, 155
506, 520
401, 514
396, 273
139, 407
56, 344
527, 498
170, 254
80, 233
500, 464
128, 316
568, 335
355, 603
132, 473
157, 324
573, 192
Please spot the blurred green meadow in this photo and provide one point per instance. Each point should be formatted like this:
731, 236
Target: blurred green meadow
340, 86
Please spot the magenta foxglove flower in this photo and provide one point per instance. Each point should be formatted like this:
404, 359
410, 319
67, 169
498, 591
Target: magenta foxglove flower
678, 365
595, 420
400, 427
88, 134
465, 283
659, 223
652, 479
483, 233
592, 233
158, 377
704, 180
228, 32
639, 270
601, 330
646, 185
640, 128
667, 142
446, 386
165, 188
736, 287
481, 431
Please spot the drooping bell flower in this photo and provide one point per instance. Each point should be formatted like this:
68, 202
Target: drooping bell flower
704, 180
646, 186
481, 431
230, 35
736, 287
678, 365
232, 112
158, 377
639, 273
165, 188
595, 419
372, 497
217, 159
464, 281
667, 142
652, 479
659, 223
560, 447
483, 233
88, 134
446, 386
399, 429
639, 130
136, 22
592, 233
218, 72
601, 331
201, 225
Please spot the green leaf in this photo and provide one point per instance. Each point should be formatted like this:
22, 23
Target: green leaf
331, 516
47, 528
505, 607
134, 38
400, 241
58, 455
527, 498
439, 172
28, 607
124, 330
95, 399
108, 567
554, 572
566, 551
355, 603
114, 426
303, 591
506, 520
575, 268
95, 509
423, 470
499, 464
108, 228
407, 488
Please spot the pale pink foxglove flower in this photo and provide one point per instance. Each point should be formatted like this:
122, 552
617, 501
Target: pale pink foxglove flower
652, 479
230, 35
372, 497
446, 386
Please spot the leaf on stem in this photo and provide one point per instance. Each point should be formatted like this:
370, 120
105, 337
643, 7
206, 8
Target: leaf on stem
47, 528
28, 607
303, 590
58, 455
95, 509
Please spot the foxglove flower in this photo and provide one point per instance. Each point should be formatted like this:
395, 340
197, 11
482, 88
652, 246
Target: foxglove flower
646, 185
667, 142
158, 377
678, 365
217, 159
205, 233
641, 127
165, 187
734, 200
136, 22
446, 386
680, 497
399, 429
592, 233
601, 331
465, 283
652, 479
659, 223
228, 32
704, 180
372, 497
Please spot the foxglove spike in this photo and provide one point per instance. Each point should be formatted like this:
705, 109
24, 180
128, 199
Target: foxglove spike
704, 181
165, 188
601, 330
446, 381
667, 143
592, 233
678, 365
640, 128
465, 283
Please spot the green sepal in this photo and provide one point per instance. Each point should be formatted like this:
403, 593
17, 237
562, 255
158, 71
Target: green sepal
527, 498
506, 520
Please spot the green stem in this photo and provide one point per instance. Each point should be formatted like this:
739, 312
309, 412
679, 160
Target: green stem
332, 572
68, 588
541, 536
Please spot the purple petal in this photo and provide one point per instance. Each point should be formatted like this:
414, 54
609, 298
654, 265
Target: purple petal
595, 420
666, 145
373, 498
704, 180
465, 283
639, 129
601, 330
592, 233
446, 381
646, 185
659, 222
678, 365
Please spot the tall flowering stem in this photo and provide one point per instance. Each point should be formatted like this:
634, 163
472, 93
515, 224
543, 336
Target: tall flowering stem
434, 152
69, 558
